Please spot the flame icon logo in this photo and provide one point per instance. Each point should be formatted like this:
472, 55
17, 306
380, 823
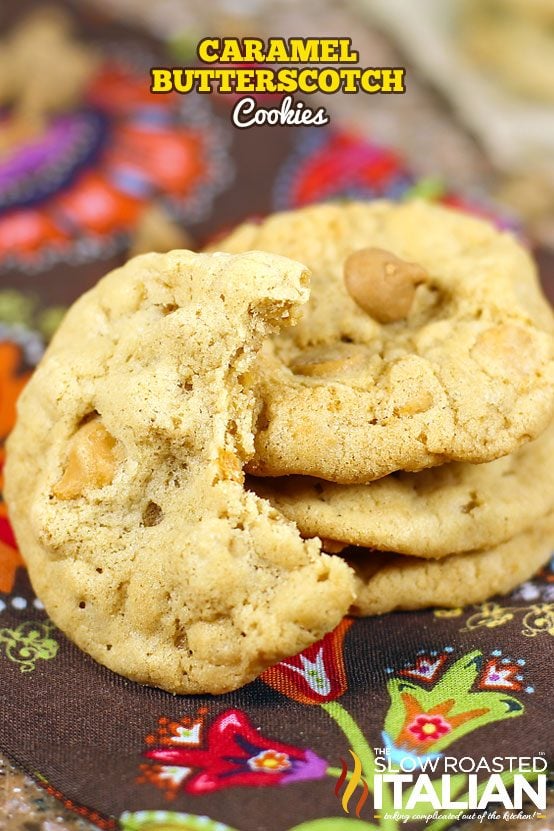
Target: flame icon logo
354, 781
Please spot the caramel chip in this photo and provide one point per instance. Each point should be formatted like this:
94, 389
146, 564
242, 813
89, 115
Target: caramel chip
419, 402
382, 284
230, 466
505, 349
333, 546
328, 360
91, 461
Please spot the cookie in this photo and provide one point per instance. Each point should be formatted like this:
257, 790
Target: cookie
514, 43
125, 487
426, 339
445, 510
386, 584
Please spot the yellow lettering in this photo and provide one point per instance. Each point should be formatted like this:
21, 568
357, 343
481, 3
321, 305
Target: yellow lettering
183, 80
265, 80
328, 49
287, 80
207, 50
245, 80
346, 54
253, 50
225, 77
329, 80
393, 80
277, 51
303, 51
350, 77
230, 51
161, 80
365, 80
205, 77
303, 77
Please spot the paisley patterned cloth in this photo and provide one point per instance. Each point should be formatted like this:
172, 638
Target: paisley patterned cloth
299, 748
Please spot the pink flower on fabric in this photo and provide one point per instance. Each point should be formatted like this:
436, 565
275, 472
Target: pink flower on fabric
236, 754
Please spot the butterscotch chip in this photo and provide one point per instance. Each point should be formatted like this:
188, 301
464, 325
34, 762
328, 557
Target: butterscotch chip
333, 546
382, 284
229, 466
327, 361
91, 461
419, 402
175, 575
443, 312
505, 350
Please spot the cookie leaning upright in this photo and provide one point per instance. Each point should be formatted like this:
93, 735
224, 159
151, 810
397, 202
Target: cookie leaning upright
125, 487
426, 339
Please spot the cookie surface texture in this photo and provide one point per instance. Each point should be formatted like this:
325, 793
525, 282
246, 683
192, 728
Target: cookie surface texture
444, 510
455, 363
386, 584
125, 487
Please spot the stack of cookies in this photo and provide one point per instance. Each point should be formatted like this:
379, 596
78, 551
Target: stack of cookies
398, 410
406, 420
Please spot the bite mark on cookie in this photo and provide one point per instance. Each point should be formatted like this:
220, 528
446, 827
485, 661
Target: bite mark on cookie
195, 583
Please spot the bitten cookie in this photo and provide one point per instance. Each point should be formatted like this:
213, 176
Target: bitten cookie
445, 510
125, 487
386, 584
426, 339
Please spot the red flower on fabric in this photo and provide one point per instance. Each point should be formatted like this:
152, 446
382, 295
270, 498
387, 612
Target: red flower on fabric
428, 728
315, 675
335, 164
235, 755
